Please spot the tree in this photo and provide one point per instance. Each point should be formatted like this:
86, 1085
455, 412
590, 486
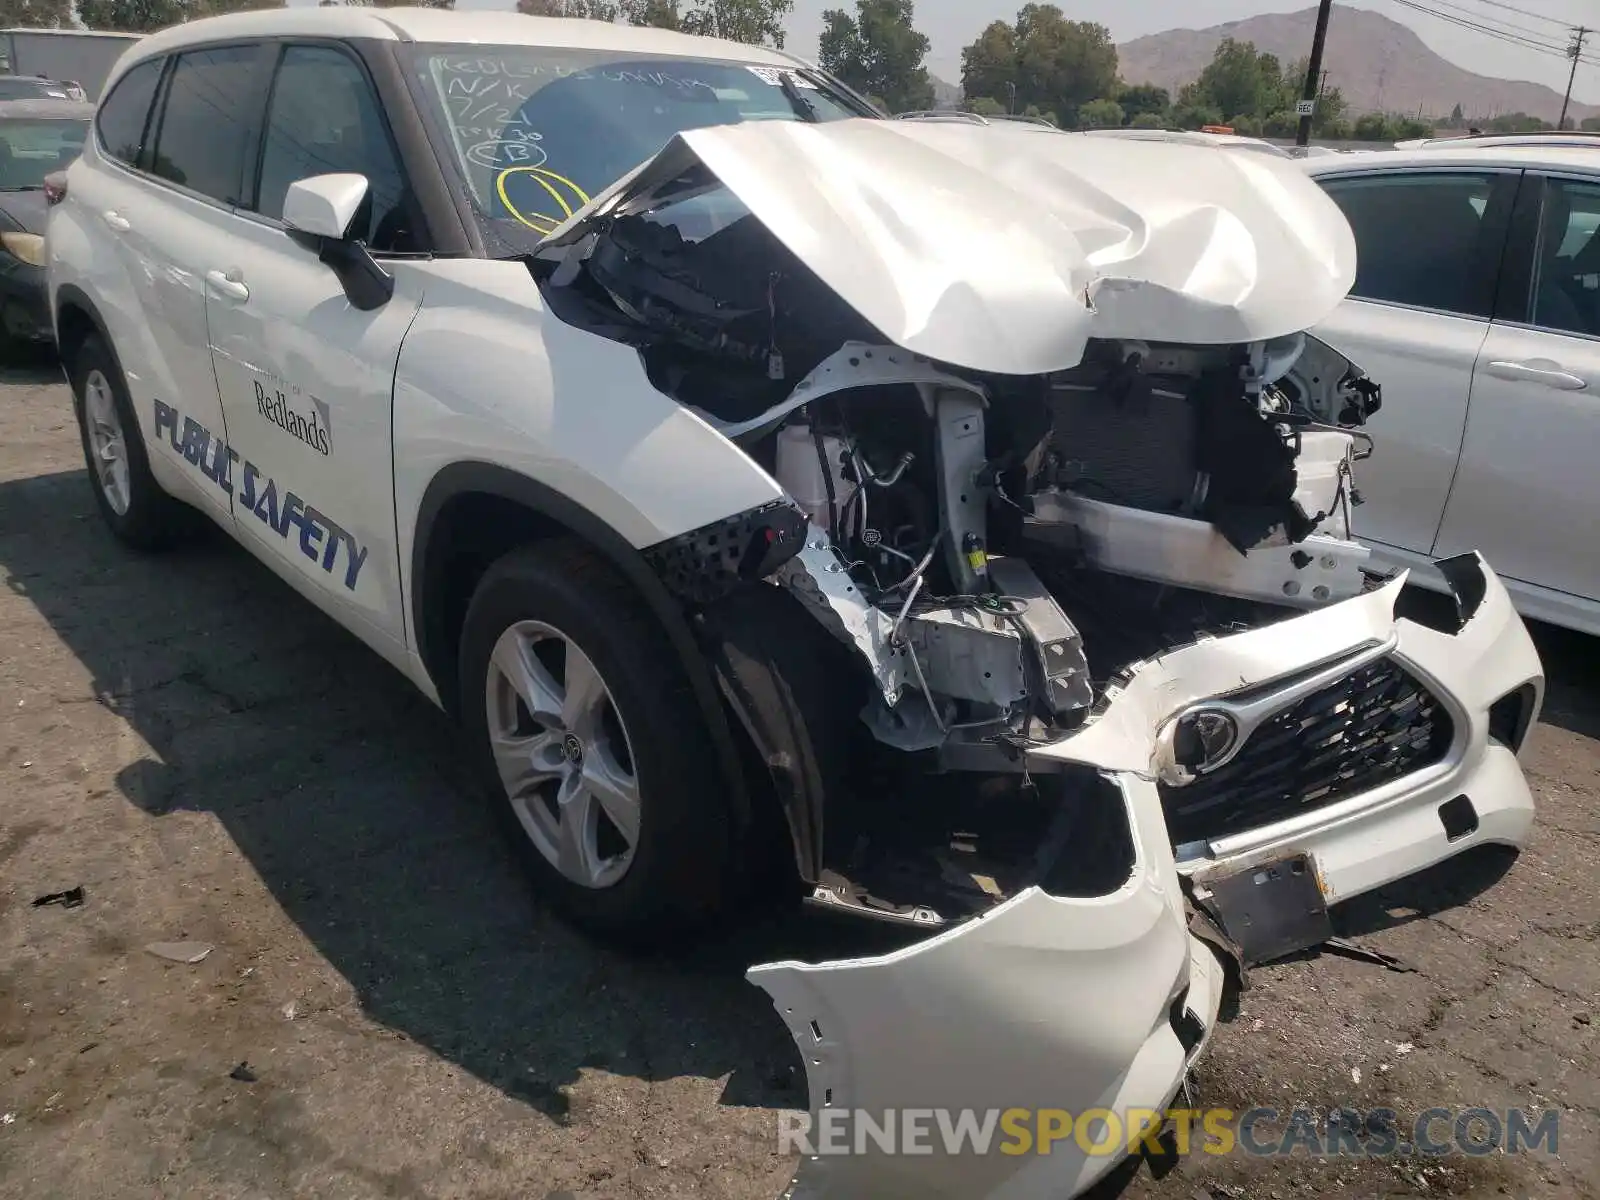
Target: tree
662, 14
133, 16
1284, 123
1457, 117
1139, 99
1043, 59
1372, 127
1188, 115
1100, 114
1147, 120
36, 14
756, 22
1411, 127
594, 10
1518, 122
878, 53
1590, 124
989, 66
1238, 81
986, 106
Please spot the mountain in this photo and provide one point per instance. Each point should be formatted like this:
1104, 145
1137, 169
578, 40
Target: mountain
1379, 65
945, 95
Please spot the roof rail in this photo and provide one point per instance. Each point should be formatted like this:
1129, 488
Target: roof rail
972, 118
942, 114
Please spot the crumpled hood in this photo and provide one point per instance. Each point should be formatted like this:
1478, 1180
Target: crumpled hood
1005, 250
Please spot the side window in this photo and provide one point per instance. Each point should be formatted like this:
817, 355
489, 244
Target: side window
205, 121
1423, 239
1566, 281
323, 118
125, 114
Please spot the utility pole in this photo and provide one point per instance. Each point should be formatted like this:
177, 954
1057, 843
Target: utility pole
1573, 51
1308, 100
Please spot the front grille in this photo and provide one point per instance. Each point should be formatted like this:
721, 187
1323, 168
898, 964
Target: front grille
1375, 725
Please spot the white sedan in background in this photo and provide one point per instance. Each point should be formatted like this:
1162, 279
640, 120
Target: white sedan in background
1477, 305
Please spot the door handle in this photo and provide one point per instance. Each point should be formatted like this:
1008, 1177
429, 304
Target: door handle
116, 220
229, 284
1539, 370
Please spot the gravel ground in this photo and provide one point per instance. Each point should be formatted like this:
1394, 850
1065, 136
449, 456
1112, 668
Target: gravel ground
213, 760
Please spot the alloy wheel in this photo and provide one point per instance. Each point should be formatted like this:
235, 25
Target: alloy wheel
108, 445
563, 754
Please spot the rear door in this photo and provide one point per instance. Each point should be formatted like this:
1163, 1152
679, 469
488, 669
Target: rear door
1429, 244
1528, 491
163, 205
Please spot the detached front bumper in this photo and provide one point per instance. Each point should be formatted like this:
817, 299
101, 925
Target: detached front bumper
1045, 1004
1483, 681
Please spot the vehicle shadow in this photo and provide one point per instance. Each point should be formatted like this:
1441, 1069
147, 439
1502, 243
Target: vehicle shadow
342, 787
29, 365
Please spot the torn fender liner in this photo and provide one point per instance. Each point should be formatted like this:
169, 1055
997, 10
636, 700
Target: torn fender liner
796, 691
1041, 1003
1005, 251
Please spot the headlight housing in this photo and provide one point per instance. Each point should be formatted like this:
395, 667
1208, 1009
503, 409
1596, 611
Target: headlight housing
25, 247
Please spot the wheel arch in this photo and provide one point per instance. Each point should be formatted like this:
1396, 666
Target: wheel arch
473, 512
76, 317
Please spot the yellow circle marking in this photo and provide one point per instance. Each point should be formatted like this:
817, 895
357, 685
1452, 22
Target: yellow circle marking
539, 222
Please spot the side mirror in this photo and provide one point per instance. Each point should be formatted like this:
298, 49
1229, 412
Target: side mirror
324, 205
321, 209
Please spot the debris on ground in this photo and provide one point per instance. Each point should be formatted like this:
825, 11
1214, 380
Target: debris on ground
1348, 949
71, 898
180, 952
243, 1073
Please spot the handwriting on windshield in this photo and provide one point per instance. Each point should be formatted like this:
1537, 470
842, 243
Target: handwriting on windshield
541, 186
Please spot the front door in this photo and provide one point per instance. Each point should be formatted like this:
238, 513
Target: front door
1429, 245
1527, 491
306, 378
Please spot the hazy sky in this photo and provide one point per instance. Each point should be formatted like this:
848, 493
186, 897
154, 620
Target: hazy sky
951, 24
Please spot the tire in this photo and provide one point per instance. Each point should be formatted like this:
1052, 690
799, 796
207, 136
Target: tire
535, 606
138, 512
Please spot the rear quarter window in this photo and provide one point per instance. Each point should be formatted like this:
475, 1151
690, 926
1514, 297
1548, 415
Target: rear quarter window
124, 115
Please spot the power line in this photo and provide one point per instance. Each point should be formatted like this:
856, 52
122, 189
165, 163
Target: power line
1515, 39
1522, 12
1500, 25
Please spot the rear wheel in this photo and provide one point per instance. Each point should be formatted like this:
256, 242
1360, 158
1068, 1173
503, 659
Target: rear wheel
126, 493
591, 745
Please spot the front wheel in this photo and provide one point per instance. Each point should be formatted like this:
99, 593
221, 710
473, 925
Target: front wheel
591, 745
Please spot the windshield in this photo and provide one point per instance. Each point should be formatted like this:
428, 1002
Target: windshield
535, 132
33, 89
30, 150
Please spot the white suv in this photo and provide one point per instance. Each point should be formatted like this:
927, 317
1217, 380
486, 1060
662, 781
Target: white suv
739, 469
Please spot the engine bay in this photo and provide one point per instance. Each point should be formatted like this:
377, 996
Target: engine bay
993, 553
